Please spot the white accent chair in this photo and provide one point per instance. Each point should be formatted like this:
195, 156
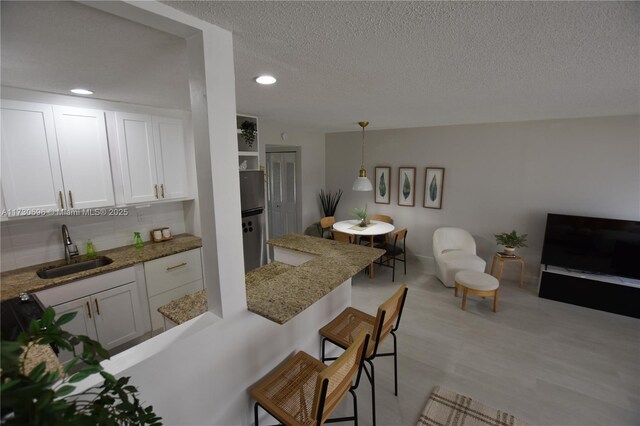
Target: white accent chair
454, 250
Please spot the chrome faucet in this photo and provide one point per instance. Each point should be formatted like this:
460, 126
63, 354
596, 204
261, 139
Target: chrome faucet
70, 249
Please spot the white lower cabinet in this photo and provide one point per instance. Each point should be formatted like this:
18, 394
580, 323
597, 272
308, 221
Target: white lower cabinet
108, 308
170, 278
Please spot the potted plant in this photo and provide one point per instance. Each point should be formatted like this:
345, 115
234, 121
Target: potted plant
330, 202
40, 397
249, 131
362, 215
511, 241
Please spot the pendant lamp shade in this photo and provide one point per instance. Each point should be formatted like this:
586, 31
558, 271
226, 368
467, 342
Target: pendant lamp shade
362, 182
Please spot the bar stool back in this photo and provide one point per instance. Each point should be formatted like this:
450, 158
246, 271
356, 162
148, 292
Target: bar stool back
351, 322
304, 391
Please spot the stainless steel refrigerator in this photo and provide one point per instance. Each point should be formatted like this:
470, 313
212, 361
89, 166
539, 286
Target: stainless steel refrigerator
252, 204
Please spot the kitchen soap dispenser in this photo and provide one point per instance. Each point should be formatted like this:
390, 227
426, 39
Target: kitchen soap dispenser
91, 251
139, 242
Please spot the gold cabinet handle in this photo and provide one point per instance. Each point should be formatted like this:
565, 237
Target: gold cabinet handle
155, 190
162, 190
70, 199
97, 307
61, 200
89, 309
177, 266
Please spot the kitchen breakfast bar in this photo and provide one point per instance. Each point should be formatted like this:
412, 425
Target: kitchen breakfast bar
305, 269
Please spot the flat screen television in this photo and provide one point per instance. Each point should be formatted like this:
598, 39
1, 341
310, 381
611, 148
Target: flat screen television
594, 245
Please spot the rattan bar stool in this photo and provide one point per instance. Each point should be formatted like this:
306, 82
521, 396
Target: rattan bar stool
305, 391
343, 329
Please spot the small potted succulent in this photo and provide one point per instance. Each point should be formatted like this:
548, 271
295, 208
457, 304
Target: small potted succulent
362, 215
511, 241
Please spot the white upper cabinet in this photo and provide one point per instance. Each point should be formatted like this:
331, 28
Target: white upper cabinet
170, 157
31, 176
84, 156
137, 157
54, 158
152, 157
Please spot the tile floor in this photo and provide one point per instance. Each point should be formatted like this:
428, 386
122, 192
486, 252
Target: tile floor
546, 362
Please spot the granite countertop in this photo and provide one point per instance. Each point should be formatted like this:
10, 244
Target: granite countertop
190, 306
283, 296
278, 291
25, 279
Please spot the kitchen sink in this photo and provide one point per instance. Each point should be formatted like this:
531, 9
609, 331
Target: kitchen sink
61, 271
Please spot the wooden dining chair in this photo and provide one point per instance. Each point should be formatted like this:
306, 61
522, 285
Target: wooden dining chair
378, 239
325, 226
394, 252
305, 391
341, 331
342, 236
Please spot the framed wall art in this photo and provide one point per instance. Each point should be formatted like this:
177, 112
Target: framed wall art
407, 186
433, 186
382, 185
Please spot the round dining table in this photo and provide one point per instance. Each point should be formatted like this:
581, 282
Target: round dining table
374, 228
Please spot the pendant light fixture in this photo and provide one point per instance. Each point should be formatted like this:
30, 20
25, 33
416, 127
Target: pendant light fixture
362, 182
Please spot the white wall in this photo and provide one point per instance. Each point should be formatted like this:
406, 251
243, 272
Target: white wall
498, 177
313, 162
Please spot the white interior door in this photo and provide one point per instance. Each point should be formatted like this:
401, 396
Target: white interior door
84, 156
281, 201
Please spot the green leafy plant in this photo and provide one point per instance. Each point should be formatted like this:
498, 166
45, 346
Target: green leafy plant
330, 202
361, 214
38, 397
511, 239
249, 131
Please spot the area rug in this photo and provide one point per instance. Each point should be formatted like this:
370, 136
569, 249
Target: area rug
447, 408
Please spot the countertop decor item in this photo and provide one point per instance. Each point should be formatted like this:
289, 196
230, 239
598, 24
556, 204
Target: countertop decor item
158, 235
362, 182
38, 396
511, 241
139, 243
249, 131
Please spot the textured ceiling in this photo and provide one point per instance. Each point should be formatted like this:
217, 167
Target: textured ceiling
396, 64
56, 46
408, 64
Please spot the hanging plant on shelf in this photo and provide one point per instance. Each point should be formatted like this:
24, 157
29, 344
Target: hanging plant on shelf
249, 131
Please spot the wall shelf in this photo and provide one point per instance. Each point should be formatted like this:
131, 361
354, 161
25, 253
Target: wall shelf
248, 153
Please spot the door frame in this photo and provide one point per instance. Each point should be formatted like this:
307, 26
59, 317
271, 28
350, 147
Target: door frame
298, 151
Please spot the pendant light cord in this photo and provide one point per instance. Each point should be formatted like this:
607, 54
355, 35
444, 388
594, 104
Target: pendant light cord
362, 166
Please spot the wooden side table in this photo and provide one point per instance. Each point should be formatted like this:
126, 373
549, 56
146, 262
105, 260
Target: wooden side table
501, 261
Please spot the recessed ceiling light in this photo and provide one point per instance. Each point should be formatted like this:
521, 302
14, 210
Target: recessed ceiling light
79, 91
265, 79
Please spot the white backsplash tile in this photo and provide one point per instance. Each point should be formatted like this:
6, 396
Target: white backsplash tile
32, 241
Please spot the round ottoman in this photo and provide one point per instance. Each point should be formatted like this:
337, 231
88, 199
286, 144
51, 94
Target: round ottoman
478, 283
